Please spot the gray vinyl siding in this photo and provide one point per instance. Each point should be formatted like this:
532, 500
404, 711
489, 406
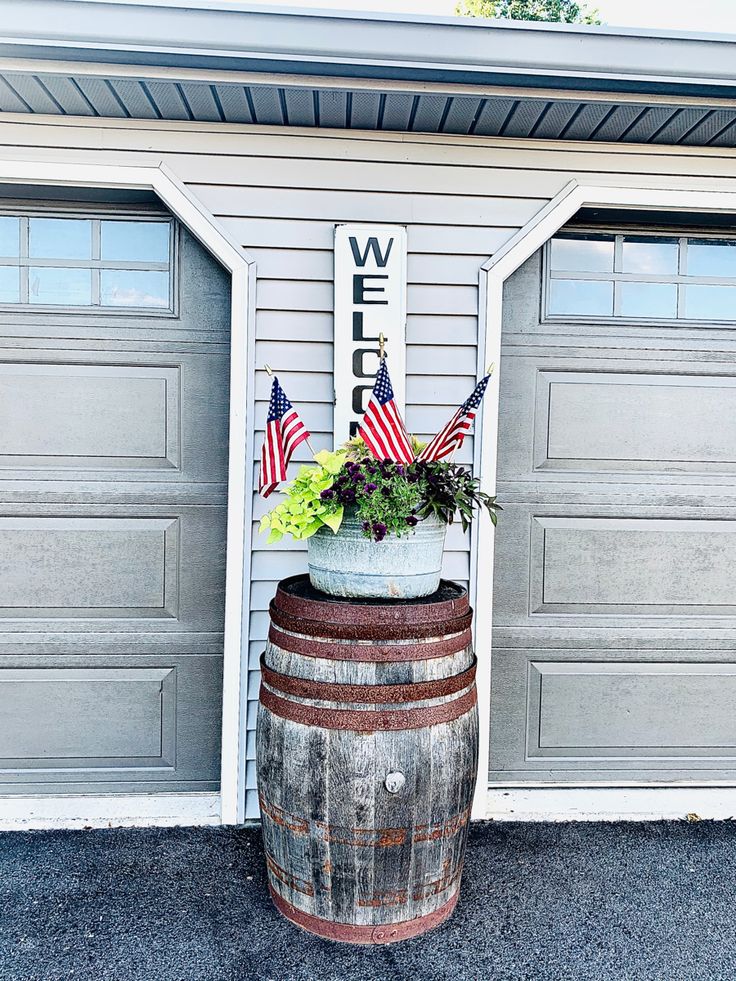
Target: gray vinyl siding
279, 195
294, 328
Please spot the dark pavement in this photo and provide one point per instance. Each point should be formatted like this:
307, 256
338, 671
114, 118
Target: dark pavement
539, 901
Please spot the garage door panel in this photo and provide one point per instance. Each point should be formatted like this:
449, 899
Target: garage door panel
591, 567
201, 286
632, 566
657, 417
139, 710
635, 709
114, 723
104, 567
522, 306
627, 420
113, 416
62, 569
610, 715
91, 416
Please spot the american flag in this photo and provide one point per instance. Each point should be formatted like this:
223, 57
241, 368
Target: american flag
382, 428
451, 437
284, 432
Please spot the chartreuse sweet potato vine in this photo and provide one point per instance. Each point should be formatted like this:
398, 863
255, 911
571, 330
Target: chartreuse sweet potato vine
386, 497
305, 511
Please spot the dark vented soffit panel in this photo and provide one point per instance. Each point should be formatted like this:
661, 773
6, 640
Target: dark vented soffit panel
369, 109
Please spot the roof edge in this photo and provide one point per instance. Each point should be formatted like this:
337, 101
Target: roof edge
252, 37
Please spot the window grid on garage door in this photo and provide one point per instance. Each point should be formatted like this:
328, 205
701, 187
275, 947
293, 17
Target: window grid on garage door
83, 262
655, 278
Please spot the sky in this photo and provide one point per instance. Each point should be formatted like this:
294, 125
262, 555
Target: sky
677, 15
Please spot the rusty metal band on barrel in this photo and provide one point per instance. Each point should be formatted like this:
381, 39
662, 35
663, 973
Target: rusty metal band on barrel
355, 720
365, 631
384, 933
331, 610
326, 691
423, 651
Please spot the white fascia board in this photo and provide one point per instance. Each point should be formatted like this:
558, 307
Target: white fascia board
367, 45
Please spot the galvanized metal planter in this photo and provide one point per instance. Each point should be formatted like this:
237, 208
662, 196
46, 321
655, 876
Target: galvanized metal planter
351, 565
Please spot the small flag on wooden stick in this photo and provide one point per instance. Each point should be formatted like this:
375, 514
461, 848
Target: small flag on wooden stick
450, 438
284, 432
382, 429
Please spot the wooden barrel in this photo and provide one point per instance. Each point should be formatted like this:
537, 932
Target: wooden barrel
367, 750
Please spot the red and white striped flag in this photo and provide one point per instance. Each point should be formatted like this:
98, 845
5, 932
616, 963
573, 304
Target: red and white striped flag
382, 429
451, 437
284, 432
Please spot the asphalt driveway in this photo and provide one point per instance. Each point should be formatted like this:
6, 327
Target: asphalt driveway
539, 901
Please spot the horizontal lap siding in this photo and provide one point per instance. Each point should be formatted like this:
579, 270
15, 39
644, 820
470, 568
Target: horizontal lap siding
279, 195
290, 231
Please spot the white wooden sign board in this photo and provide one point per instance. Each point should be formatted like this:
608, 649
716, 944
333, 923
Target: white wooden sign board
370, 297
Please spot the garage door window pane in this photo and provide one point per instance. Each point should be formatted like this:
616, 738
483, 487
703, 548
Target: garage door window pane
579, 297
710, 302
57, 286
9, 237
127, 288
650, 258
9, 284
711, 258
139, 241
60, 238
654, 300
582, 255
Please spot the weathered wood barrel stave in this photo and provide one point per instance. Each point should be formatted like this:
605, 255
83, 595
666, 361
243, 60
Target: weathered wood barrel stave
356, 697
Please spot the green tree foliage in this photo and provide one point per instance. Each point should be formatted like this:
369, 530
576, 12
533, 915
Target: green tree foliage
557, 11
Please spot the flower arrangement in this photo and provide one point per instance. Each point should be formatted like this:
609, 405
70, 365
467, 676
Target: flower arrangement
384, 480
387, 498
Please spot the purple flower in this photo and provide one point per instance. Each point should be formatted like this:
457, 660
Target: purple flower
369, 488
357, 477
399, 470
379, 530
366, 526
412, 478
327, 494
347, 496
412, 520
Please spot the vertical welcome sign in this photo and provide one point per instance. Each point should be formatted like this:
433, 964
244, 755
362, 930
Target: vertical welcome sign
370, 298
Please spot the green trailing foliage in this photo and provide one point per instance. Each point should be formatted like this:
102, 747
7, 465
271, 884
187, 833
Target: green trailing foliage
554, 11
387, 498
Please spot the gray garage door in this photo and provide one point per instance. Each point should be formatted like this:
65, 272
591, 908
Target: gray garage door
615, 598
114, 341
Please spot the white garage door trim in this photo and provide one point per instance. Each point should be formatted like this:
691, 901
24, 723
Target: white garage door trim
228, 806
551, 799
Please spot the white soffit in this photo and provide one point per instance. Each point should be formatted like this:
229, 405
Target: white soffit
392, 108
